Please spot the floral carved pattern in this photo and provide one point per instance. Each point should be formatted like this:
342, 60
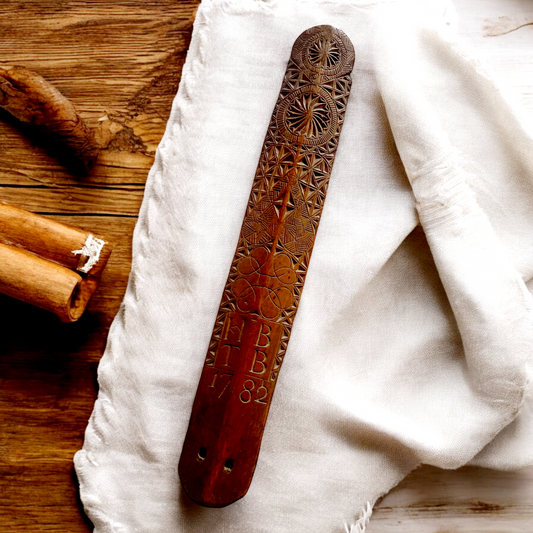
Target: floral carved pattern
324, 53
290, 185
267, 275
292, 178
308, 115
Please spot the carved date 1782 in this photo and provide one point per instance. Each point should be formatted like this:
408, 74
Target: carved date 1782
266, 279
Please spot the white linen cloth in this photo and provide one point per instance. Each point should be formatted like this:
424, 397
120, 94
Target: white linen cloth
414, 334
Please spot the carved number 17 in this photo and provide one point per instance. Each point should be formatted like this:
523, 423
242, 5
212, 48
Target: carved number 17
223, 380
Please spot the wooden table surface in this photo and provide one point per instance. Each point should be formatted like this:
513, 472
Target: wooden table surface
119, 61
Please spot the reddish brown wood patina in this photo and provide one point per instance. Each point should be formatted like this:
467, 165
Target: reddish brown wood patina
266, 279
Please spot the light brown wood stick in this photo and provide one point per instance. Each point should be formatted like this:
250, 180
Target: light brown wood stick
37, 281
35, 101
49, 264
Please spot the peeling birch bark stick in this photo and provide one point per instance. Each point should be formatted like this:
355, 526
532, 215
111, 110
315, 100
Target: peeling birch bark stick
35, 101
48, 264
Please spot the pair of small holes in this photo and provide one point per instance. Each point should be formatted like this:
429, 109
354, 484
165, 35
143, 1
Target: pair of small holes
228, 465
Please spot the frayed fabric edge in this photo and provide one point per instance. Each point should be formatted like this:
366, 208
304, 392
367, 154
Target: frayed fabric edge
362, 522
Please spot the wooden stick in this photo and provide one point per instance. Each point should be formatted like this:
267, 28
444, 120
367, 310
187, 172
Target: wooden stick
35, 101
266, 279
49, 264
34, 280
48, 238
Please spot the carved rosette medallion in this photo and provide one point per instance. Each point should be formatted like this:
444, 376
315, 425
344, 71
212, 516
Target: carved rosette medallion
266, 278
307, 116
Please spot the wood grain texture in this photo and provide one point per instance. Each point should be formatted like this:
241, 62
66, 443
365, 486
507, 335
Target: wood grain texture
120, 62
469, 500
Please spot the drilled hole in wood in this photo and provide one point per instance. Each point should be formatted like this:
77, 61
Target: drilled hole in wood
228, 465
202, 454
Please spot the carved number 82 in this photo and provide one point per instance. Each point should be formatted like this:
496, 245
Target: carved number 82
249, 392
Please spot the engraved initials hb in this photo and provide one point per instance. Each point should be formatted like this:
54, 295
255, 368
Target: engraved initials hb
250, 342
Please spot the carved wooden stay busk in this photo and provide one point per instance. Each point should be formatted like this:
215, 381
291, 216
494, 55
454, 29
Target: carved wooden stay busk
266, 278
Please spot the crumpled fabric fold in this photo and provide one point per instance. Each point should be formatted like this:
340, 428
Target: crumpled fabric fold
413, 339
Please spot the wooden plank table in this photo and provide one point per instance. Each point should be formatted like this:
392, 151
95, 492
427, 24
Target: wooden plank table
120, 62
